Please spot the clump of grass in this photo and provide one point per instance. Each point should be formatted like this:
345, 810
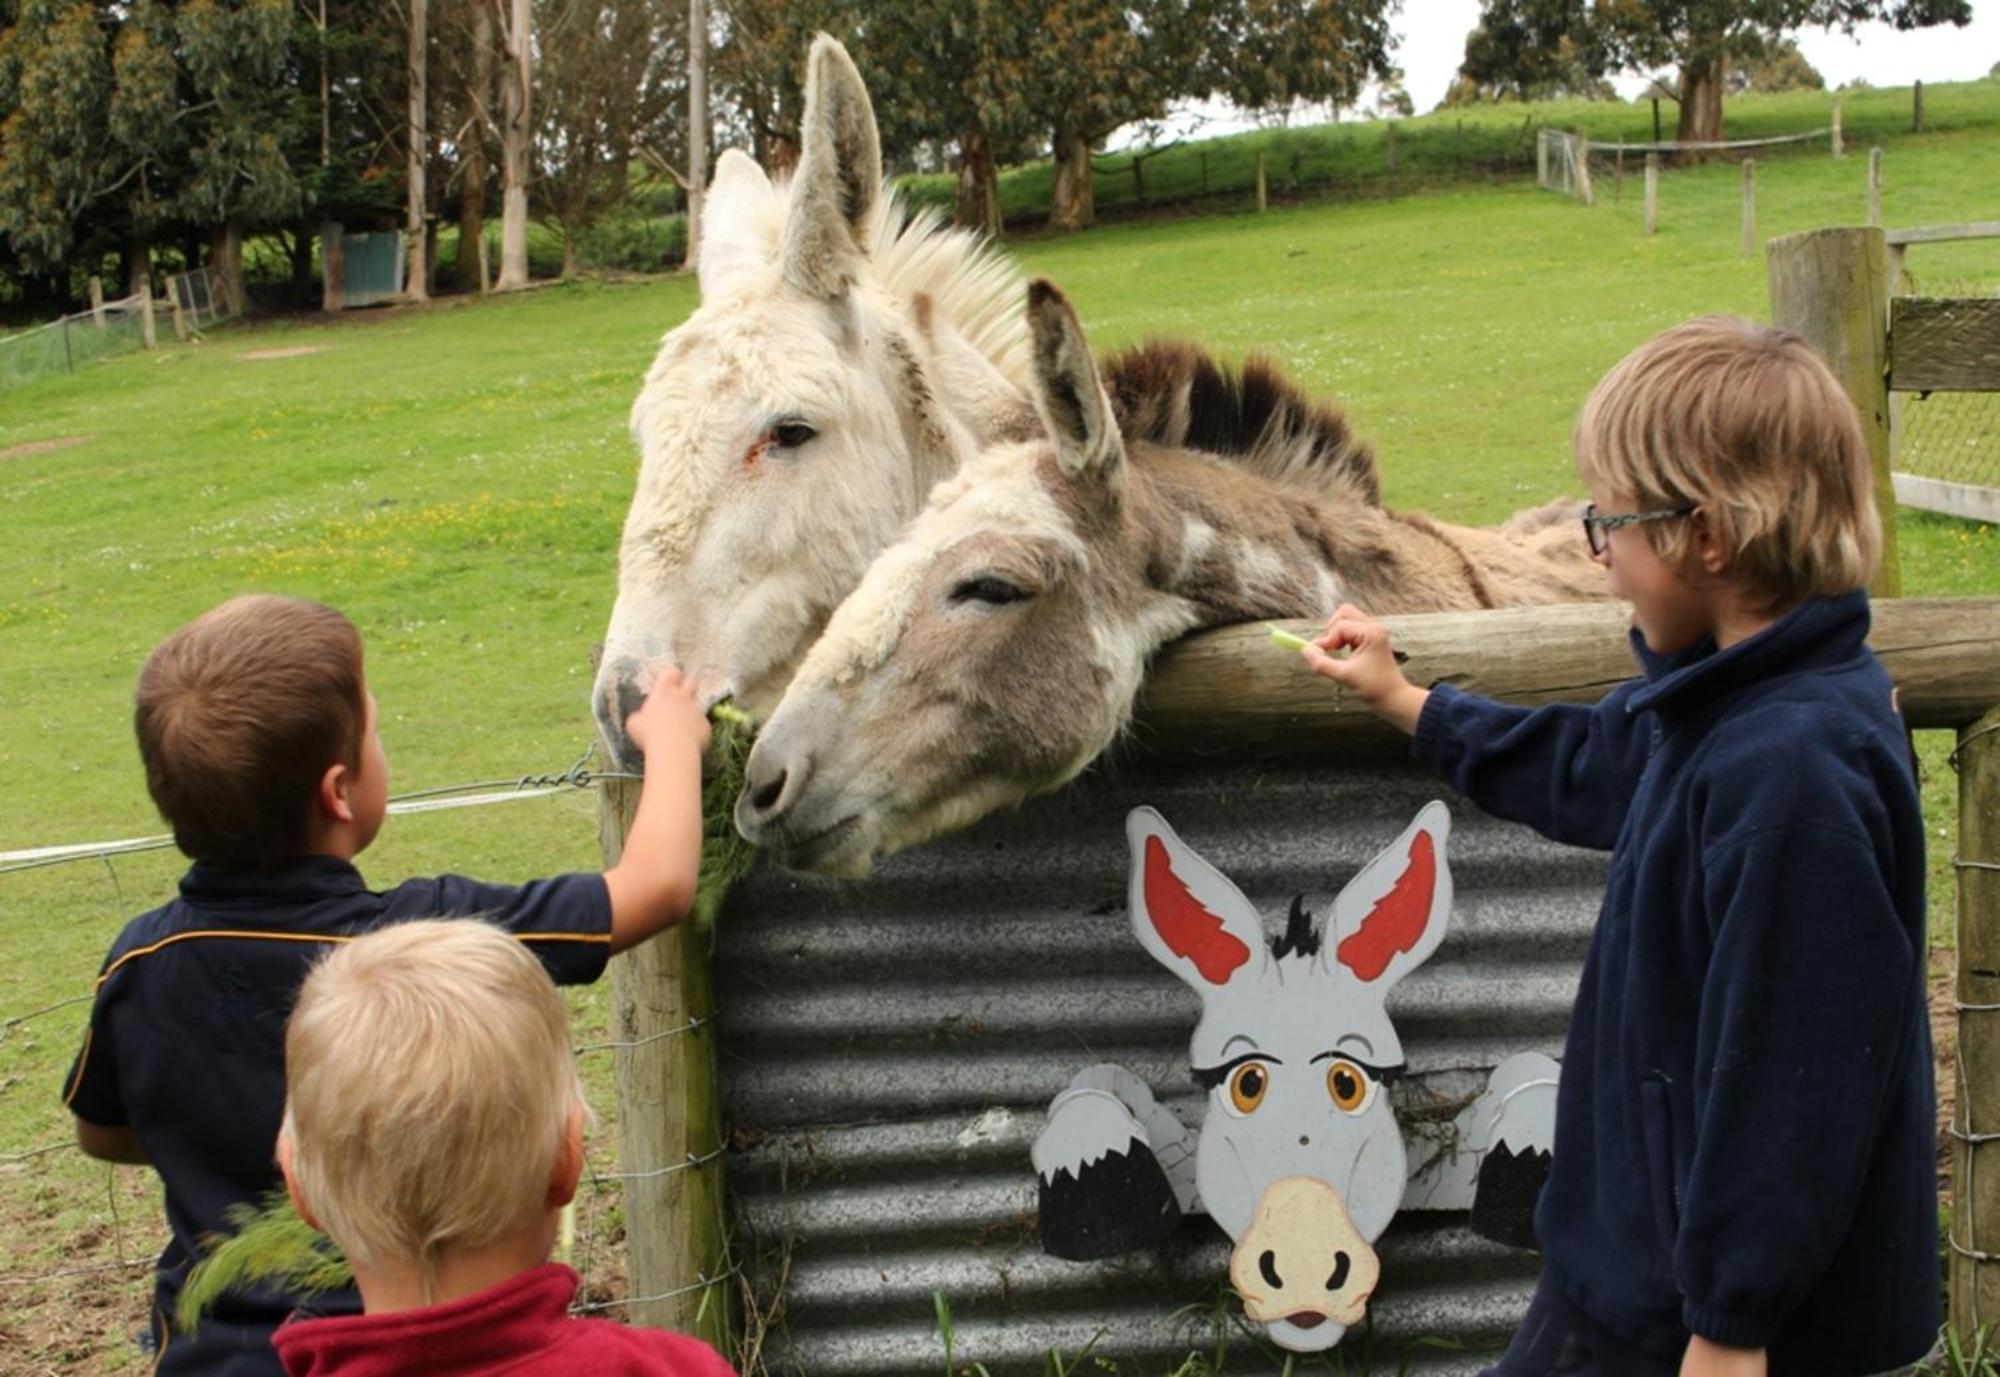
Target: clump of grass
271, 1246
725, 856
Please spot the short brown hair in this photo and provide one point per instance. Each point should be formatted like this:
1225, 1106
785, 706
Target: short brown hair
239, 714
430, 1086
1747, 422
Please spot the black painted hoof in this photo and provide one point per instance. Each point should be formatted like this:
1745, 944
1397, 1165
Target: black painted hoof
1503, 1208
1117, 1204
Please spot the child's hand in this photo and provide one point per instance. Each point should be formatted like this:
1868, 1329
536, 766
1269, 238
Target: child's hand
1707, 1359
1369, 669
669, 714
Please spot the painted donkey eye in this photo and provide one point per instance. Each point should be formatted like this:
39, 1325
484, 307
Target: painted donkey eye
1248, 1085
1349, 1086
989, 589
791, 434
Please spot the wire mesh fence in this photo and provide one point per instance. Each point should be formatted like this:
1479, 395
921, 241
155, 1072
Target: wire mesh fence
1952, 437
70, 343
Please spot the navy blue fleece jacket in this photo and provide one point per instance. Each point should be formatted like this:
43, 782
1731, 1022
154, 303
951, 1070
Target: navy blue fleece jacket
1744, 1127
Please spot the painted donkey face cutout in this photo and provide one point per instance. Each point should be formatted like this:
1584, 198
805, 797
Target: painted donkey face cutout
1300, 1158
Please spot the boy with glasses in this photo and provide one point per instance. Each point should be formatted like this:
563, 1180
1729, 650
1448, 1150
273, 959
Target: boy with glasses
1744, 1170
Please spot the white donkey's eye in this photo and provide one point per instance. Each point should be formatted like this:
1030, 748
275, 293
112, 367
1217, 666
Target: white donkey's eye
791, 434
1351, 1088
990, 589
1248, 1084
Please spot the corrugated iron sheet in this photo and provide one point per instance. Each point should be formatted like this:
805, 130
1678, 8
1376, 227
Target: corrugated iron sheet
372, 267
889, 1047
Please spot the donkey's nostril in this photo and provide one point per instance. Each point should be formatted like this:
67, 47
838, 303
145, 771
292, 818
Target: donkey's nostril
1341, 1264
765, 797
1268, 1266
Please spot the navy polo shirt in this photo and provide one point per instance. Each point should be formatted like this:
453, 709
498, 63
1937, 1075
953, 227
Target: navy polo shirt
186, 1044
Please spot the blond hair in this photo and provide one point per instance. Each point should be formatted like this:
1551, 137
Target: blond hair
430, 1088
1746, 422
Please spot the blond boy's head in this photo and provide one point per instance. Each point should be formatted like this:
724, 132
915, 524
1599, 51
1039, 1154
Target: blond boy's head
432, 1096
1745, 422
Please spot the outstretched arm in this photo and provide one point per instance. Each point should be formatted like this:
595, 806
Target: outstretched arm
653, 884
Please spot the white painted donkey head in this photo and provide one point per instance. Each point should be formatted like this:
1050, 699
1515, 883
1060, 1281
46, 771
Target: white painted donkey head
842, 359
1300, 1159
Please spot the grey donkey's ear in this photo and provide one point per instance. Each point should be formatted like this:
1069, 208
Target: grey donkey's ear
838, 180
1068, 392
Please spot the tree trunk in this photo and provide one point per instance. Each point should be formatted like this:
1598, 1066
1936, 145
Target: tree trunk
517, 80
569, 254
417, 278
697, 176
978, 201
472, 159
1701, 99
138, 263
1072, 205
225, 255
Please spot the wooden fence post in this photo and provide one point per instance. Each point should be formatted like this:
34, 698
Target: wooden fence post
1917, 107
1749, 207
1262, 195
1974, 1263
95, 286
1831, 286
1583, 191
1875, 185
179, 313
1652, 193
669, 1117
1618, 176
1839, 147
333, 266
1542, 159
146, 328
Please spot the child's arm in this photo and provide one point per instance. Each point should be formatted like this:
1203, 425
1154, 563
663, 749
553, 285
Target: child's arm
1705, 1358
1564, 769
111, 1143
653, 883
1369, 671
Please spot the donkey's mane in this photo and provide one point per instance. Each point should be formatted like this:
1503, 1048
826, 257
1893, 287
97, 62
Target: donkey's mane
915, 253
1174, 393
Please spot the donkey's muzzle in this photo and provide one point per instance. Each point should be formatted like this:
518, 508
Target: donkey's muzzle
1302, 1259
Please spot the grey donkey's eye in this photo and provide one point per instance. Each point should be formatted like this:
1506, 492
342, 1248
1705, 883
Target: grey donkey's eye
791, 434
991, 590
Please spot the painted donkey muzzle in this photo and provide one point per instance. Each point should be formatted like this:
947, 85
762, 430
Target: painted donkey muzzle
1303, 1262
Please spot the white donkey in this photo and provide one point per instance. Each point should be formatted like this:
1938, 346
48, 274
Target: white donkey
844, 357
1300, 1158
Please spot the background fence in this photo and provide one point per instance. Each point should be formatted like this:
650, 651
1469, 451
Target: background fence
1945, 439
71, 342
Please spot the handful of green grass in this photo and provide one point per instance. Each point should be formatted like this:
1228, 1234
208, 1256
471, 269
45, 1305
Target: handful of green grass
725, 856
271, 1246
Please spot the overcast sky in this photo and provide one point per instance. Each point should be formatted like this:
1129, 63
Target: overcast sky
1432, 34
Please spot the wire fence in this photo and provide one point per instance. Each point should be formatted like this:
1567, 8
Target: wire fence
191, 302
89, 1299
1952, 437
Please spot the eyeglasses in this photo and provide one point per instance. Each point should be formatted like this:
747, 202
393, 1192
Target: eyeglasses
1597, 529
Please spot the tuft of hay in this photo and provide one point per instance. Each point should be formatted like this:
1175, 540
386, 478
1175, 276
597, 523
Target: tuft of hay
271, 1246
725, 856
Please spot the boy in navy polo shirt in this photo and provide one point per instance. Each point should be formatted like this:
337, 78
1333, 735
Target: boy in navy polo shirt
1744, 1171
434, 1129
261, 749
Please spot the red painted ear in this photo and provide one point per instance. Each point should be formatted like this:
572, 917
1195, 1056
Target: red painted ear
1187, 926
1396, 923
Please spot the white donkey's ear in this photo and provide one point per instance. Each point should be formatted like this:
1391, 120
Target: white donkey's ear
839, 177
1186, 912
1068, 392
1392, 916
740, 216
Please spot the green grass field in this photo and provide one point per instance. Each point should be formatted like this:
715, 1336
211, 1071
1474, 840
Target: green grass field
455, 479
